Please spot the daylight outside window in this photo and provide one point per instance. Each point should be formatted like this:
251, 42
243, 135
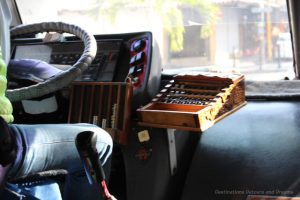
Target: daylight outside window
250, 37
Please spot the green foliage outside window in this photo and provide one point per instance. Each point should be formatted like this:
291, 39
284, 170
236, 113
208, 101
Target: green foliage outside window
170, 13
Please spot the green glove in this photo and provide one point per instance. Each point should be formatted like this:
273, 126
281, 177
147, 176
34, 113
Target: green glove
5, 105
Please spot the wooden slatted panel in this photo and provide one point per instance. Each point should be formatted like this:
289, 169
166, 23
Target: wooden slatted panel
105, 104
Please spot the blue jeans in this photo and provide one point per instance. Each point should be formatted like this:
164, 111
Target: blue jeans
45, 147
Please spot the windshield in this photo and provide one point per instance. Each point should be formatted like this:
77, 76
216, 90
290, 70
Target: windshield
249, 37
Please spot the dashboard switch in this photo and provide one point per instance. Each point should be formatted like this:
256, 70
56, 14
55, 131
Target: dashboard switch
139, 69
132, 60
139, 45
136, 80
138, 58
132, 71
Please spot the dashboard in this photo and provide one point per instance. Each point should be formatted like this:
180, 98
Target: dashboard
100, 94
119, 57
63, 55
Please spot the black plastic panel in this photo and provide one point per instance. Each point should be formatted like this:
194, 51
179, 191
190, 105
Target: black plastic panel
254, 151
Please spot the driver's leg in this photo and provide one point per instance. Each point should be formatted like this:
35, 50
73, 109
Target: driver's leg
48, 146
3, 176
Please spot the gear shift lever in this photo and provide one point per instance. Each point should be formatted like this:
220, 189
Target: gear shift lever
86, 146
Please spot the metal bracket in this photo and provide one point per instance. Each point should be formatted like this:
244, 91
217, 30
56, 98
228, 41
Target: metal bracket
172, 151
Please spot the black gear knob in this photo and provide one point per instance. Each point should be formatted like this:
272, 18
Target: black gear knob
86, 147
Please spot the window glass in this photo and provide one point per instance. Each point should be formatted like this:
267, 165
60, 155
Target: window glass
250, 37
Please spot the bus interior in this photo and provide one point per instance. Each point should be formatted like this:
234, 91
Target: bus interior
136, 88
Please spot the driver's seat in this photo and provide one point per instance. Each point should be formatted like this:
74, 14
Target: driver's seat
43, 185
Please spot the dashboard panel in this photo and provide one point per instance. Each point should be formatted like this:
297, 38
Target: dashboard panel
66, 54
119, 58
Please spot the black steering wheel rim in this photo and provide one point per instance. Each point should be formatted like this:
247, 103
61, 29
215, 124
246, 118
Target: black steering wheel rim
66, 77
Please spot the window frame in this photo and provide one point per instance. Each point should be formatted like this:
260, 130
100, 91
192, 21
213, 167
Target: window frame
294, 17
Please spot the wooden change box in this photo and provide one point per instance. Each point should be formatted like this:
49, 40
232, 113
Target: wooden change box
194, 102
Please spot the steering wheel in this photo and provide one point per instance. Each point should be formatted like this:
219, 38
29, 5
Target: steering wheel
66, 77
